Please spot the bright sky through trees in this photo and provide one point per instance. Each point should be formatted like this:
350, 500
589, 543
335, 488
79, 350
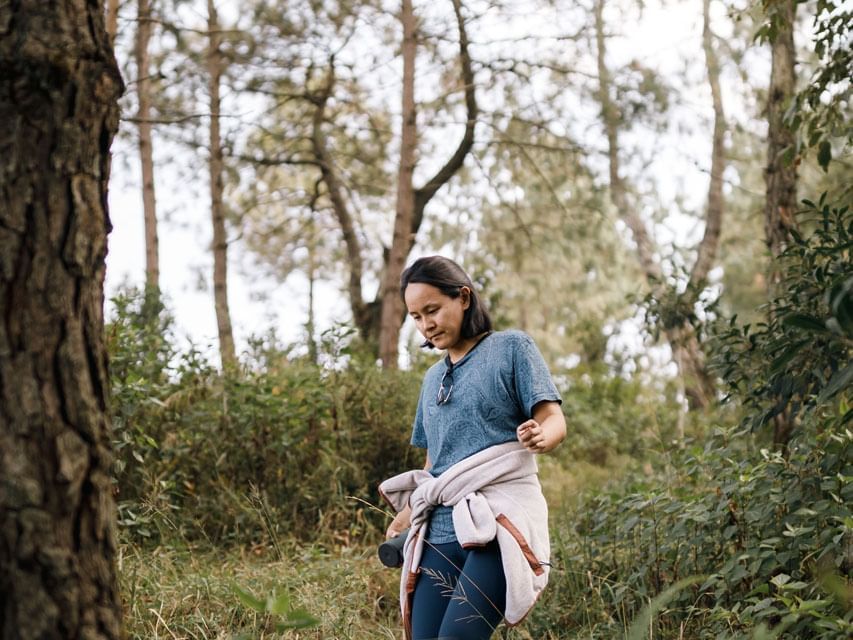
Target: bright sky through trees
666, 38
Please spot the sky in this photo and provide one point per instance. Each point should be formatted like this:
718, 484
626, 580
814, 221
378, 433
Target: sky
662, 39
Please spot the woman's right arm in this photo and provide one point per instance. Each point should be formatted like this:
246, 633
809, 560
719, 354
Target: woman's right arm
403, 520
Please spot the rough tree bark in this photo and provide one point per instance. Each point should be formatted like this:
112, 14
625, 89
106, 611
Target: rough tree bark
217, 208
112, 19
146, 151
59, 89
392, 307
411, 202
686, 350
780, 176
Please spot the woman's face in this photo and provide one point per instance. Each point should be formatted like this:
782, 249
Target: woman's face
437, 316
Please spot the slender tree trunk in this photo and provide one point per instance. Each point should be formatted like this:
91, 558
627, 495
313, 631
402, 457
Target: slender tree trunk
699, 385
217, 208
686, 350
312, 278
392, 306
780, 177
707, 253
618, 191
146, 155
112, 19
59, 90
411, 203
361, 312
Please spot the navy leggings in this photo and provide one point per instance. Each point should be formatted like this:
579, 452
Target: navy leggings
460, 593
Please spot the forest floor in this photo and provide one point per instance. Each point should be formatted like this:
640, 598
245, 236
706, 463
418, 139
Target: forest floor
189, 591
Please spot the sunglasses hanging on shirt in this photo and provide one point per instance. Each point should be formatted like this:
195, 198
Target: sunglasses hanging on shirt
445, 389
444, 392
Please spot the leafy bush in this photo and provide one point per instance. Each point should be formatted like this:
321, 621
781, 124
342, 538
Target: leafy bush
799, 359
276, 447
611, 416
767, 533
770, 531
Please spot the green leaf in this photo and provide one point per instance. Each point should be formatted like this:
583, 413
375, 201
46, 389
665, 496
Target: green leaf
824, 154
781, 579
248, 599
803, 321
640, 625
779, 363
841, 379
278, 605
300, 619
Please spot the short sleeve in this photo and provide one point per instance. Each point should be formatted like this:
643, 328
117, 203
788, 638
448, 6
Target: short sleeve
419, 438
532, 380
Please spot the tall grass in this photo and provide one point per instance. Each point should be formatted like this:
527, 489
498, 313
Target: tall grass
188, 593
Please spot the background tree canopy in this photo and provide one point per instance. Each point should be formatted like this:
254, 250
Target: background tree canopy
666, 213
658, 193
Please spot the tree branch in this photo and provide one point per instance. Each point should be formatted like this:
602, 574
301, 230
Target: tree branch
425, 193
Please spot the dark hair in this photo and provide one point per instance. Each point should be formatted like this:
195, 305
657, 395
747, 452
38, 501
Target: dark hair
449, 278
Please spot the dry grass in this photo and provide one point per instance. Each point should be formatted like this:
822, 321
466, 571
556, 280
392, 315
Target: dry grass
181, 592
186, 593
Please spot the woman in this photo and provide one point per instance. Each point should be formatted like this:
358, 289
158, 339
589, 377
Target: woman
478, 545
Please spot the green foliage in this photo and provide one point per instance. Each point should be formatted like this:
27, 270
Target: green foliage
274, 448
612, 416
276, 605
798, 359
820, 112
139, 342
765, 530
771, 532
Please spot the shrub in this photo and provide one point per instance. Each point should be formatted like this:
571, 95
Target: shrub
275, 447
769, 530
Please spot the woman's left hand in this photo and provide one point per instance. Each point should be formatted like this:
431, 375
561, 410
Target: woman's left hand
545, 430
532, 436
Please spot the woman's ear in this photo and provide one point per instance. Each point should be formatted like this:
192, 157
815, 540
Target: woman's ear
465, 296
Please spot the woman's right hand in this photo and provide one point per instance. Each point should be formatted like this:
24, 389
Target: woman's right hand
399, 524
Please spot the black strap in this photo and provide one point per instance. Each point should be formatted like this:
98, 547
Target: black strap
450, 365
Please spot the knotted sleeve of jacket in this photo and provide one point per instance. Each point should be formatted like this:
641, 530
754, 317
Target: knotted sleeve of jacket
494, 494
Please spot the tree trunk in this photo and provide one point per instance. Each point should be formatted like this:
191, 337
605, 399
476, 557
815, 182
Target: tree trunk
699, 387
217, 208
698, 384
714, 213
780, 176
392, 307
59, 90
618, 191
112, 19
368, 316
361, 312
686, 351
310, 325
393, 310
143, 92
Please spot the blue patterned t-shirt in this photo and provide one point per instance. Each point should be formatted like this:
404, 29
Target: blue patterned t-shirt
495, 387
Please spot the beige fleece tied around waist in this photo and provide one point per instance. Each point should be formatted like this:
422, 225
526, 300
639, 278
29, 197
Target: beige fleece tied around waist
494, 494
